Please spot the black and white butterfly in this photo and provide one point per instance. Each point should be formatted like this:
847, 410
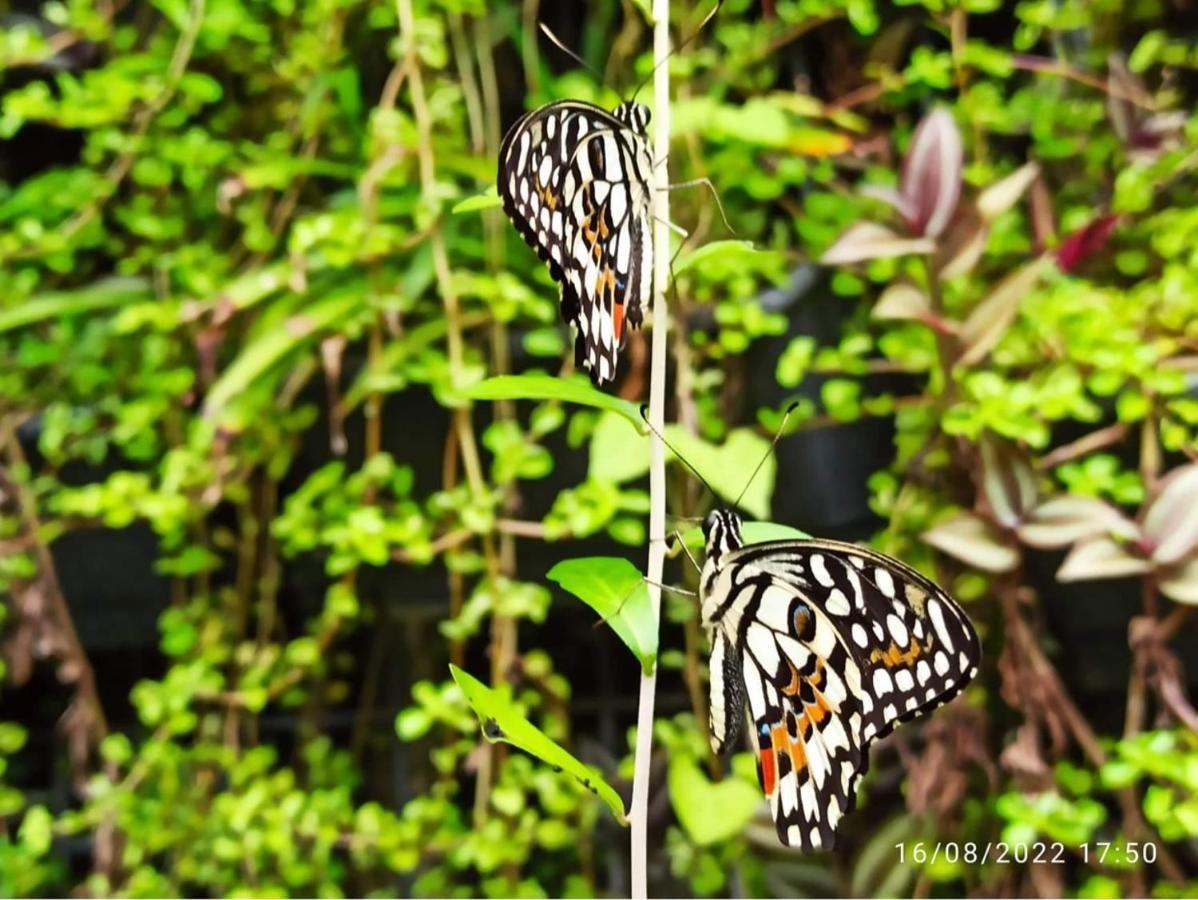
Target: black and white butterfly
832, 645
577, 182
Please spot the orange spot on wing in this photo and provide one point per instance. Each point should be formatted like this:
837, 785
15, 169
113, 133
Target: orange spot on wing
769, 770
892, 656
793, 688
783, 744
618, 319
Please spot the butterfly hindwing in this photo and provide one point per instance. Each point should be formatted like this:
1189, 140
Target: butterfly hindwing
829, 633
801, 684
577, 183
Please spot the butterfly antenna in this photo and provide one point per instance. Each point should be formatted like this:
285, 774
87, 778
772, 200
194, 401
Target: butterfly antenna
768, 453
570, 53
694, 34
662, 438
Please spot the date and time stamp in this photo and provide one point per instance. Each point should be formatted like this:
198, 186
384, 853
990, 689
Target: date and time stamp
980, 853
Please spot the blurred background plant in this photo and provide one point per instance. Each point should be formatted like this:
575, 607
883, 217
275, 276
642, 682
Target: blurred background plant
247, 515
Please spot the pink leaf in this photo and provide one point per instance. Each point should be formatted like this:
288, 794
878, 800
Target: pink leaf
867, 240
1063, 520
1085, 242
975, 542
931, 181
1171, 521
1099, 558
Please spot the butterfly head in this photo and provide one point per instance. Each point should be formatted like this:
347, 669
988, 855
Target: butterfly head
634, 115
721, 532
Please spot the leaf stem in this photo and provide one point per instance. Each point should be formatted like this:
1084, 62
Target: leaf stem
638, 815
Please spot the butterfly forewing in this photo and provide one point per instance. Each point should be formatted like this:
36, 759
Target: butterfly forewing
577, 182
838, 644
915, 646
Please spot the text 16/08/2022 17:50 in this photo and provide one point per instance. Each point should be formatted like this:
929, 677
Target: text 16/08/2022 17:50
1046, 852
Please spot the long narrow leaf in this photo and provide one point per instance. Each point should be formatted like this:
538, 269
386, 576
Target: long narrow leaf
548, 387
44, 307
502, 721
264, 352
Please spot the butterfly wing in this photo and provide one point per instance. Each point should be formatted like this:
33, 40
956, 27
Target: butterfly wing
916, 647
577, 184
901, 646
802, 686
727, 709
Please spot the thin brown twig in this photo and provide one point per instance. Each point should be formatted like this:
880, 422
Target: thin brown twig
1083, 446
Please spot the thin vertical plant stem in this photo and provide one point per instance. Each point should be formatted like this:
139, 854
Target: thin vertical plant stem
657, 460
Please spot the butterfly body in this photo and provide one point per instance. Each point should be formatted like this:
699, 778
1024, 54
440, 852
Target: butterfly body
831, 645
577, 182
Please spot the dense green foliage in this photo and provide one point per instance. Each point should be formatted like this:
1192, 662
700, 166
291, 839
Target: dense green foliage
227, 226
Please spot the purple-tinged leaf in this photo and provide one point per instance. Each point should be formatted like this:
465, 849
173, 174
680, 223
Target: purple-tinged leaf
1005, 193
1171, 521
890, 196
1180, 582
868, 240
1008, 482
931, 181
1065, 519
992, 317
973, 541
1043, 217
1099, 558
1144, 132
1085, 242
962, 245
902, 301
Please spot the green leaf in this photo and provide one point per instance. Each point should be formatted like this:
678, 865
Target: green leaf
710, 812
614, 588
728, 256
618, 452
488, 199
501, 721
110, 292
727, 467
752, 533
262, 353
548, 387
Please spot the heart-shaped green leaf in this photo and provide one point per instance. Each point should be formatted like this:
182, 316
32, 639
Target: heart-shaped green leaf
614, 588
728, 467
710, 811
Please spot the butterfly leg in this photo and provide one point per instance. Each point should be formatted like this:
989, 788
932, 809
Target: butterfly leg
677, 535
682, 592
696, 182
